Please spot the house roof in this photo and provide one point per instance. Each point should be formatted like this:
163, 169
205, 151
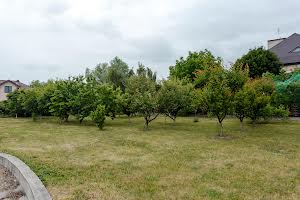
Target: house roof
284, 50
17, 83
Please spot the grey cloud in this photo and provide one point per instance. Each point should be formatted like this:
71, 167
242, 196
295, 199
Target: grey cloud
56, 8
58, 39
41, 67
156, 49
103, 27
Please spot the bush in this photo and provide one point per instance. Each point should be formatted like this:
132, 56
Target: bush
3, 108
281, 112
278, 112
98, 116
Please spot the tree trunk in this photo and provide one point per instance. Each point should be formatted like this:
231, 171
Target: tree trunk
222, 131
129, 119
16, 115
66, 118
241, 125
146, 124
195, 116
254, 122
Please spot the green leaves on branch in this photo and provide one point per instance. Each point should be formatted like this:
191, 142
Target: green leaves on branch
98, 116
174, 96
218, 97
259, 61
185, 68
144, 97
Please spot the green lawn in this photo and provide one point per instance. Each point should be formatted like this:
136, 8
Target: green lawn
170, 161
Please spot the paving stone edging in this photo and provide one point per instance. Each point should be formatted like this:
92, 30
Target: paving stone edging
32, 185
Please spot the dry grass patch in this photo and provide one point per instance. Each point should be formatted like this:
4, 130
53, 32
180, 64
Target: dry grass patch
170, 161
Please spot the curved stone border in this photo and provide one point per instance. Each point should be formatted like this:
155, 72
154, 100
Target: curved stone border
32, 185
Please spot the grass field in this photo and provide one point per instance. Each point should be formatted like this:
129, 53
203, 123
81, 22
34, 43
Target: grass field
170, 161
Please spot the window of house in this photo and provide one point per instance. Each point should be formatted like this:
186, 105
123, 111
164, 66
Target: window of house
7, 89
297, 50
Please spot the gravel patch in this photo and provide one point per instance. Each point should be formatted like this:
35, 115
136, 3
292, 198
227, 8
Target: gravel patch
9, 186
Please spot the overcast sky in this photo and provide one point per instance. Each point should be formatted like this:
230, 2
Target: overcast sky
43, 39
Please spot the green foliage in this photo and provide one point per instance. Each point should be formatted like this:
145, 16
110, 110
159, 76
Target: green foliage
288, 91
98, 116
114, 73
99, 74
186, 67
259, 61
14, 103
107, 96
118, 73
279, 112
84, 99
255, 101
199, 101
218, 92
62, 98
77, 97
218, 97
237, 77
293, 91
4, 108
241, 104
173, 97
144, 95
45, 93
30, 103
259, 93
124, 101
145, 72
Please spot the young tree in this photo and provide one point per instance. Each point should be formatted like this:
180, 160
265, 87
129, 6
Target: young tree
61, 100
107, 96
30, 103
174, 96
198, 102
124, 101
98, 116
45, 93
241, 105
14, 103
260, 61
259, 93
218, 97
83, 101
144, 95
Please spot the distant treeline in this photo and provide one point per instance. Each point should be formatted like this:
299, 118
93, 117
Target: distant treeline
197, 83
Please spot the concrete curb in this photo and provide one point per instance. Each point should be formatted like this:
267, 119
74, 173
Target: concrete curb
32, 185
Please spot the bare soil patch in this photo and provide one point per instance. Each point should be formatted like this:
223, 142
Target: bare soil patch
9, 186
